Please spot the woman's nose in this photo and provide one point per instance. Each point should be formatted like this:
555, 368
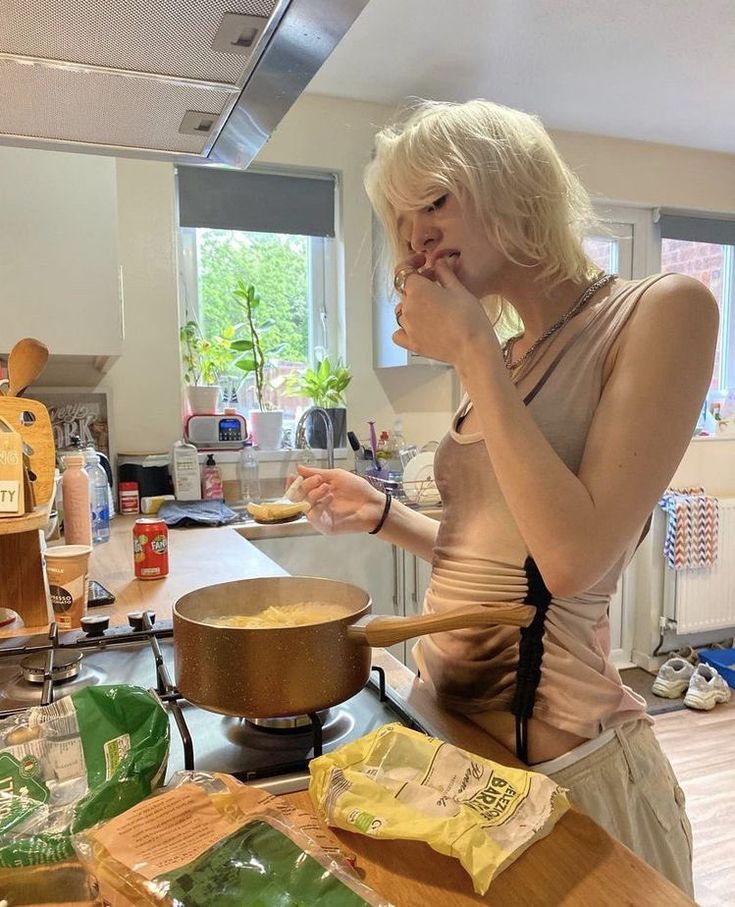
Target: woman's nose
423, 235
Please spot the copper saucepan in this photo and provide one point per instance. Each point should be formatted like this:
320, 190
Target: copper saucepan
281, 671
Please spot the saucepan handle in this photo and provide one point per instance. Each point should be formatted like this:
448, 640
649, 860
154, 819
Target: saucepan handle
386, 631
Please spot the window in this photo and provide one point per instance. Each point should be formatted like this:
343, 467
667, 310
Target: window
705, 248
272, 231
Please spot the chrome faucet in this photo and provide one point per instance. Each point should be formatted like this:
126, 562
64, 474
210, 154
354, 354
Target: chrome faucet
300, 441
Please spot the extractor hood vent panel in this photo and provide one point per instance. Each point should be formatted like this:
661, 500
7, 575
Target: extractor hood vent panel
100, 108
168, 37
160, 79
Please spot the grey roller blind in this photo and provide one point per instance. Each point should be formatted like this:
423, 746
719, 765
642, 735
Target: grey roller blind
259, 202
697, 229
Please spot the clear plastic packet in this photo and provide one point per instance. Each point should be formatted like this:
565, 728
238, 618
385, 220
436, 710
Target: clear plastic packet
207, 839
396, 783
68, 765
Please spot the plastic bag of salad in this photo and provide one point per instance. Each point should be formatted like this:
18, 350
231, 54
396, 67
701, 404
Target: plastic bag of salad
396, 783
209, 840
68, 765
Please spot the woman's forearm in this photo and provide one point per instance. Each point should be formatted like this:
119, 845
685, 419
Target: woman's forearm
408, 529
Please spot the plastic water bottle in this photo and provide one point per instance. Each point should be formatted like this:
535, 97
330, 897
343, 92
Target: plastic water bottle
99, 499
248, 473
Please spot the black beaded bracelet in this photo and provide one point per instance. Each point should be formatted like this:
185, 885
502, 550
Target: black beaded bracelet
386, 510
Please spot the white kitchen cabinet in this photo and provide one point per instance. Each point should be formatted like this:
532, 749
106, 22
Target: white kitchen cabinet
58, 252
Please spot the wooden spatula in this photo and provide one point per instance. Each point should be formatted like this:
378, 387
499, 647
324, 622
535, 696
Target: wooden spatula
27, 360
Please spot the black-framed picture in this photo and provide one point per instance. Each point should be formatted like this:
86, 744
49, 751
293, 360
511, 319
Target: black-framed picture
77, 411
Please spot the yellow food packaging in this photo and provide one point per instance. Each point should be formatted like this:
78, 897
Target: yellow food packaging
396, 783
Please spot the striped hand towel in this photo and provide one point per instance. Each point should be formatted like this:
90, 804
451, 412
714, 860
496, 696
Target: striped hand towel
691, 528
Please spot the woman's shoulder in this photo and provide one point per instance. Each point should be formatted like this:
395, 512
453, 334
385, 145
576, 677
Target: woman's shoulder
665, 307
678, 289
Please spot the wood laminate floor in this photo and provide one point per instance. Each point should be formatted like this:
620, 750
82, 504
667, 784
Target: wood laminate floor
701, 749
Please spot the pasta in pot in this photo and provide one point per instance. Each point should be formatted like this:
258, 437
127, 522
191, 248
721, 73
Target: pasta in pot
298, 615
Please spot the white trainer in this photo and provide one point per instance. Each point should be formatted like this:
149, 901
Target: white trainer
673, 678
706, 689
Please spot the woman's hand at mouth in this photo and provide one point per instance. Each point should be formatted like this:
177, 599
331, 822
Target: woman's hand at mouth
437, 315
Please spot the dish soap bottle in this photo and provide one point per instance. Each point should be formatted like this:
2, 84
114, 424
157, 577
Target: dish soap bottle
212, 481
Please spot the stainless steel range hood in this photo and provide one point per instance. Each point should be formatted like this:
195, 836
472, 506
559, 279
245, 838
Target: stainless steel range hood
194, 80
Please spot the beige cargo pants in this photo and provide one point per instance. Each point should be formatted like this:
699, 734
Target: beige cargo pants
629, 788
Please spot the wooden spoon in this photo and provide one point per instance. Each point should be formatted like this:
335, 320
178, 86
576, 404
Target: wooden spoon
27, 360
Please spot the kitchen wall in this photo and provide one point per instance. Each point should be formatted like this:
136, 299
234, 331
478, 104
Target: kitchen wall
332, 134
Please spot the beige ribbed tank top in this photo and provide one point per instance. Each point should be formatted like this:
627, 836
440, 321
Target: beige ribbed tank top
479, 553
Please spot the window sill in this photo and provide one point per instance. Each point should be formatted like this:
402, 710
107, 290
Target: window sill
719, 437
291, 455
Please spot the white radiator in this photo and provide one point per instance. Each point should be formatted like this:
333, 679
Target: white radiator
704, 598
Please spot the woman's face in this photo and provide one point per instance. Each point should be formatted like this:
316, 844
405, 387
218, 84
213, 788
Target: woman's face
448, 228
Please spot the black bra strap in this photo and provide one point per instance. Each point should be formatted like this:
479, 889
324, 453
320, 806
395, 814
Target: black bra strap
530, 654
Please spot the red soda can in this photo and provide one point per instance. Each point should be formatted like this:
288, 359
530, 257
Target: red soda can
150, 548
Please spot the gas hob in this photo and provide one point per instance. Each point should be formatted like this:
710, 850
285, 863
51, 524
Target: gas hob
271, 754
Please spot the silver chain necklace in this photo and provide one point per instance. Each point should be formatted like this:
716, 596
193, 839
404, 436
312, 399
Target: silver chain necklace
567, 316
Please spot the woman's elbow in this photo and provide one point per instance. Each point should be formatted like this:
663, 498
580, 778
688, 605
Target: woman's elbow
566, 580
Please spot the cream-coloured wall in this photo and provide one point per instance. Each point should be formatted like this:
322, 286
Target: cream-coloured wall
644, 173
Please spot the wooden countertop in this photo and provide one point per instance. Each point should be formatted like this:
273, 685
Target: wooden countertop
197, 557
577, 864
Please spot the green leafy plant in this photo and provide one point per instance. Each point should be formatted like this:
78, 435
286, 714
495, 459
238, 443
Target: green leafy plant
252, 358
204, 360
324, 385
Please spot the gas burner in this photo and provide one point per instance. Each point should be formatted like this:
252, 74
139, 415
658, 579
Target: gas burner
66, 666
292, 724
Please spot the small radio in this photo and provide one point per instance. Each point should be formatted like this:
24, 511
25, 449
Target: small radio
221, 430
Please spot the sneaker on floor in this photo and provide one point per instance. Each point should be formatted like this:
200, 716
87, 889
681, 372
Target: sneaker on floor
706, 689
673, 678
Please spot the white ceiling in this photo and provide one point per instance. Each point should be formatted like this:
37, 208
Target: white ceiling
654, 70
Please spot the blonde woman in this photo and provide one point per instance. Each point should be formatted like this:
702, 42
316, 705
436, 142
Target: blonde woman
552, 466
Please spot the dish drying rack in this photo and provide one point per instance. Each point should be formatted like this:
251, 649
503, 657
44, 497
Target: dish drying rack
421, 493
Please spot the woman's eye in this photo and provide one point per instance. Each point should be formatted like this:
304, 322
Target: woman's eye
434, 206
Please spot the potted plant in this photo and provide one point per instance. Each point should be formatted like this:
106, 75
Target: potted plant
266, 423
204, 361
325, 386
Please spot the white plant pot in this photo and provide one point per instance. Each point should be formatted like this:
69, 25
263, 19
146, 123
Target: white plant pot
202, 399
267, 428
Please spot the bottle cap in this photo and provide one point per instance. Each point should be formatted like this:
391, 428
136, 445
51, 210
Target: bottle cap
210, 460
74, 460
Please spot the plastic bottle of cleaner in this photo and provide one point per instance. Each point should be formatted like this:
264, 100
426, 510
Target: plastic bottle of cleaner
77, 501
248, 473
212, 481
100, 499
187, 481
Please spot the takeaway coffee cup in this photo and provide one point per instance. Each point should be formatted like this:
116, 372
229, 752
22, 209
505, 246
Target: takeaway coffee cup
67, 568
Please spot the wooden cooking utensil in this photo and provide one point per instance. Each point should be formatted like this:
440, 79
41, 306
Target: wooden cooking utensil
27, 360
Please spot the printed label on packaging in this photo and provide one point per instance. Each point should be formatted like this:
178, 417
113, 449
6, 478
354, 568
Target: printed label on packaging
115, 749
21, 791
186, 809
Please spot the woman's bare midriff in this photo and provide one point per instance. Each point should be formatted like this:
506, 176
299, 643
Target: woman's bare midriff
544, 741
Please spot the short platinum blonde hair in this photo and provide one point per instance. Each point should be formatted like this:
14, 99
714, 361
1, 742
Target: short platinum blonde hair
503, 163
